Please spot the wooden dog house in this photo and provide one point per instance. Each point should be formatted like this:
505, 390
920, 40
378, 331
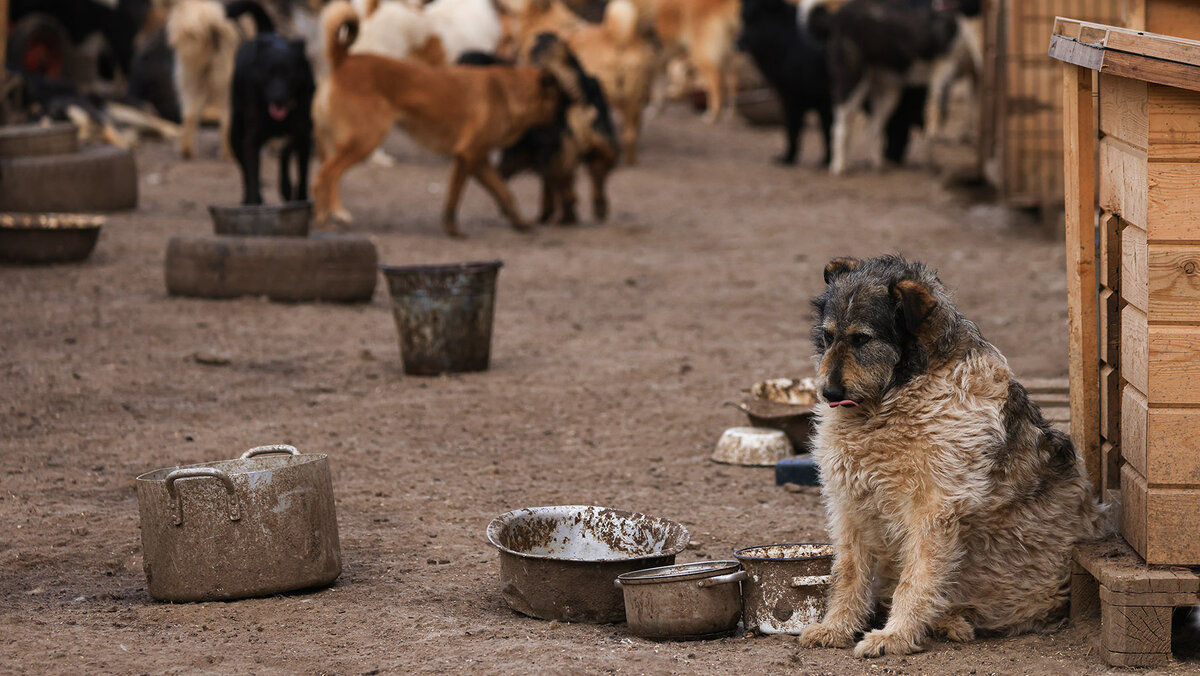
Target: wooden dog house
1134, 308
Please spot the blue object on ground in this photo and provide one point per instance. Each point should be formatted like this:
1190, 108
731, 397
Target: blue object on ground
799, 469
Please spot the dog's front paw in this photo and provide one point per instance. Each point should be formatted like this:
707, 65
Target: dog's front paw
825, 636
884, 642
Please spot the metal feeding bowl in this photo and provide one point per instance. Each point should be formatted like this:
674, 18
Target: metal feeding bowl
561, 563
262, 220
48, 238
783, 404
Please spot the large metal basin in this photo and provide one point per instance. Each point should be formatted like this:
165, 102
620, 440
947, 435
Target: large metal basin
561, 563
258, 525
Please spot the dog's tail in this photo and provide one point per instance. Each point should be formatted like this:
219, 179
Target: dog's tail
621, 21
339, 27
262, 20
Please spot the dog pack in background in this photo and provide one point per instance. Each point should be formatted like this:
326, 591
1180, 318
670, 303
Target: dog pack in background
947, 493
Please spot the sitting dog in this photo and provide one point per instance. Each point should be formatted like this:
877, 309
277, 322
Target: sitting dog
946, 489
272, 97
581, 134
794, 64
461, 111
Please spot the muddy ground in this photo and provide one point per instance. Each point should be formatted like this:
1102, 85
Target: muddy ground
615, 347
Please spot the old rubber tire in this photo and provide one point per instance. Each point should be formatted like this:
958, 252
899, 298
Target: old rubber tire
98, 178
26, 140
321, 267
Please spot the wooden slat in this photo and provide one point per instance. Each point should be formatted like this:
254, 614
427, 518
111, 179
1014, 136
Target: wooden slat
1078, 163
1173, 199
1123, 181
1173, 447
1124, 64
1173, 369
1110, 250
1174, 283
1123, 110
1135, 286
1171, 115
1134, 42
1110, 466
1134, 419
1135, 351
1133, 508
1110, 328
1110, 404
1171, 526
1139, 630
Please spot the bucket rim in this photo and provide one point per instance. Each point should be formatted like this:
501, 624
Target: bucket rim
296, 205
468, 266
740, 554
498, 525
249, 466
680, 572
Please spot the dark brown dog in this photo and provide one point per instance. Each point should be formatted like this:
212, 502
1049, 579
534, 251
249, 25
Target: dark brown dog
460, 111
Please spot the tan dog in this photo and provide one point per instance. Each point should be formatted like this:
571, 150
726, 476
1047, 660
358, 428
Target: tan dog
205, 42
460, 111
706, 31
624, 62
948, 493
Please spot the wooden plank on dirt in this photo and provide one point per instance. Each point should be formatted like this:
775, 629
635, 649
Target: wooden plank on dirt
1079, 172
1118, 567
1135, 629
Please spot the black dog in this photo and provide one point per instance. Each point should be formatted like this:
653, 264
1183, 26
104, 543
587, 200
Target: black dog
794, 63
118, 24
272, 97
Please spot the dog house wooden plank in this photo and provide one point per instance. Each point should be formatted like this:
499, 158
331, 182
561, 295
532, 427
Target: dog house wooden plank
1134, 348
1174, 283
1123, 181
1133, 428
1110, 250
1173, 369
1134, 629
1182, 51
1110, 403
1110, 327
1171, 526
1080, 180
1133, 511
1173, 199
1110, 466
1135, 285
1166, 598
1123, 110
1172, 454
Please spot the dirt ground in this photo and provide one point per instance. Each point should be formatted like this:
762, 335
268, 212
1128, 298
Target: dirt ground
615, 347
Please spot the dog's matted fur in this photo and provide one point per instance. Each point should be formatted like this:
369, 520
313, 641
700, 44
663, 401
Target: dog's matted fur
946, 489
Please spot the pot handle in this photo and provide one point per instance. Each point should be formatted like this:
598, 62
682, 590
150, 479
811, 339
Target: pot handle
198, 472
811, 580
736, 576
273, 448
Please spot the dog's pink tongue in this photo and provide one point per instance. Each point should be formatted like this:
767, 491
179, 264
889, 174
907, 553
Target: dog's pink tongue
276, 111
844, 402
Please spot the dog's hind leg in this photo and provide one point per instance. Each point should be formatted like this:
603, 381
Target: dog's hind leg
249, 154
955, 627
794, 118
191, 124
285, 176
547, 199
885, 97
491, 181
458, 180
841, 129
303, 155
598, 172
326, 192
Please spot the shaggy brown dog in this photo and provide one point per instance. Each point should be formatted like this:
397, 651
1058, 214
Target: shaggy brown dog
946, 489
460, 111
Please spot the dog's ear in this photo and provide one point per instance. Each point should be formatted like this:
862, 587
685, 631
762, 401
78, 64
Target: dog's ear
838, 267
915, 304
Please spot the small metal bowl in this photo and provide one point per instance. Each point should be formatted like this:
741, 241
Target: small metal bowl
41, 239
274, 220
694, 600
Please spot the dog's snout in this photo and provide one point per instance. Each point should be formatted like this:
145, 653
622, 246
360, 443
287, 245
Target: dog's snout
833, 393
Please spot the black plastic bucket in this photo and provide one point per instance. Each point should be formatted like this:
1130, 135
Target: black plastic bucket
443, 315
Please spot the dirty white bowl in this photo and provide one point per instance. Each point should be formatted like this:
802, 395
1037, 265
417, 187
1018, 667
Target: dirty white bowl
758, 446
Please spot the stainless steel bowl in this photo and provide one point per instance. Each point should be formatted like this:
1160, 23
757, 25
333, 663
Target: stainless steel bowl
702, 599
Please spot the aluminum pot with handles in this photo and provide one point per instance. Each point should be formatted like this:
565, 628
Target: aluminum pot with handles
260, 524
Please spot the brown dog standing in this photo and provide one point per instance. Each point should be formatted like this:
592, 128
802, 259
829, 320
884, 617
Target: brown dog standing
459, 111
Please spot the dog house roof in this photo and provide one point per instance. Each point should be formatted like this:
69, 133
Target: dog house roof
1137, 55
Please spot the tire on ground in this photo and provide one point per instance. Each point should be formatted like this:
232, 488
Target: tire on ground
25, 140
323, 267
98, 178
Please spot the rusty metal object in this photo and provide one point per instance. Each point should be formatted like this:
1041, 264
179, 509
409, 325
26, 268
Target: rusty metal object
48, 238
258, 525
25, 140
702, 599
444, 315
783, 404
560, 563
264, 220
785, 586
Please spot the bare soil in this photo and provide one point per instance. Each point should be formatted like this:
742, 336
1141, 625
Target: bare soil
615, 346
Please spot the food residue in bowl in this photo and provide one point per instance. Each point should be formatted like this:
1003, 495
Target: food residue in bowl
801, 392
